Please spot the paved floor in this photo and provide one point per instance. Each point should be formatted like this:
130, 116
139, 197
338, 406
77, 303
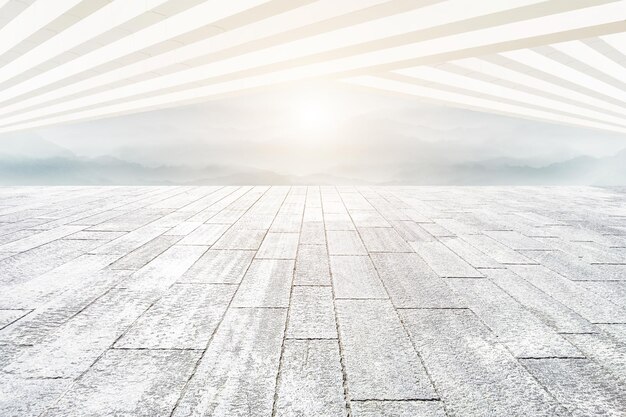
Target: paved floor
312, 301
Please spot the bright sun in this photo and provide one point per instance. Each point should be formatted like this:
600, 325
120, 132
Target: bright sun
314, 113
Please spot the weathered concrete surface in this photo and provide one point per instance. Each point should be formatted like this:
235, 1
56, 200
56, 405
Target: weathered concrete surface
312, 301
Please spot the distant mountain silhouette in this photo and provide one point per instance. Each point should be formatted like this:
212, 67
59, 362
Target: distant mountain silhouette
50, 164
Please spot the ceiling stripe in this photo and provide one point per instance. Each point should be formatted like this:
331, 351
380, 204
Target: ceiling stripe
558, 60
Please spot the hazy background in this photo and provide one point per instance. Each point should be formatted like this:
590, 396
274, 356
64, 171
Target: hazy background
319, 134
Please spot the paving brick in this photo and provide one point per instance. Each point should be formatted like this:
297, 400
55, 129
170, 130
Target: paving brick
219, 267
473, 373
129, 382
311, 382
312, 265
237, 374
312, 314
443, 261
267, 283
345, 243
279, 246
379, 358
355, 277
580, 385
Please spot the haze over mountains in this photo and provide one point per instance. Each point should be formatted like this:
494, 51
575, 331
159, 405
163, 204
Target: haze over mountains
51, 164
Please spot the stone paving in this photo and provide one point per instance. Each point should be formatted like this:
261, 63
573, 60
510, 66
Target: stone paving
312, 301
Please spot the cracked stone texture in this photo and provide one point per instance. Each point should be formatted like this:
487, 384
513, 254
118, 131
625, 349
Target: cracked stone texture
312, 301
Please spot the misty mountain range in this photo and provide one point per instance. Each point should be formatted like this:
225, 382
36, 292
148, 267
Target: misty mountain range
54, 165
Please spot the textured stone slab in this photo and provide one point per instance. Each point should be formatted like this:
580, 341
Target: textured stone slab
412, 231
279, 246
379, 358
312, 233
47, 317
573, 268
237, 374
287, 223
129, 382
338, 221
130, 241
516, 240
383, 240
575, 296
555, 314
183, 229
145, 253
604, 350
240, 239
219, 267
613, 291
206, 234
10, 316
413, 284
39, 239
580, 385
311, 315
368, 218
473, 373
443, 261
44, 287
501, 253
312, 265
517, 328
345, 243
184, 318
22, 397
311, 383
72, 348
266, 284
165, 269
470, 254
397, 409
355, 277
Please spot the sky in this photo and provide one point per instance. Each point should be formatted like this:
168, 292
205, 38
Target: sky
316, 129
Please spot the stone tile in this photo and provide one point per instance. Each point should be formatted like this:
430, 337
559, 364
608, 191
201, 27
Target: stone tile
550, 311
219, 267
313, 233
338, 221
39, 239
397, 409
267, 283
10, 316
411, 283
165, 269
613, 291
580, 385
237, 374
443, 261
145, 253
368, 218
412, 231
379, 359
311, 315
206, 234
573, 268
473, 373
517, 328
501, 253
383, 240
604, 350
312, 265
29, 397
355, 277
240, 239
589, 305
151, 380
279, 246
470, 254
345, 243
73, 347
184, 318
516, 240
311, 382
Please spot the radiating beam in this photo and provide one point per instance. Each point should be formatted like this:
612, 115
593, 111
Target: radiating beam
284, 54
